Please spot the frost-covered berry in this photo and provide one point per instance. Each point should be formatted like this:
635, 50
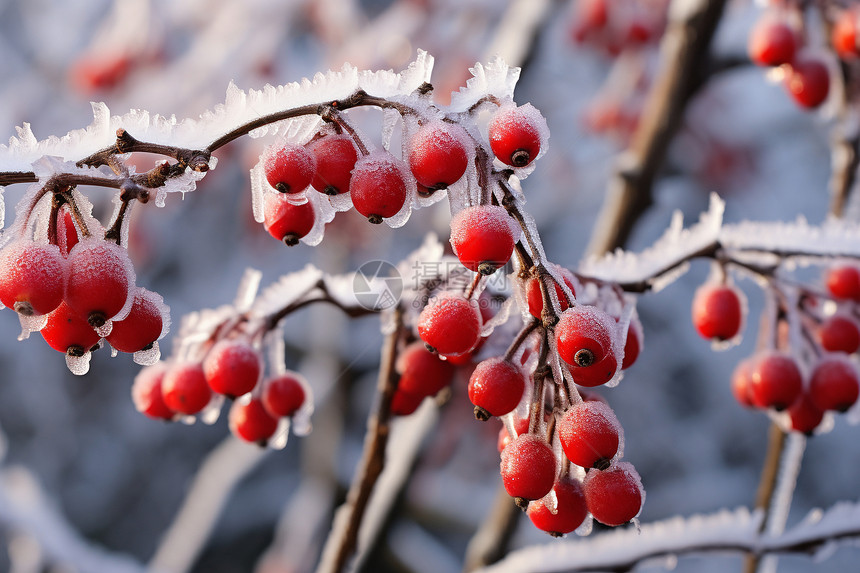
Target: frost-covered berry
146, 392
534, 294
615, 495
450, 324
496, 387
67, 233
834, 384
232, 367
515, 134
590, 434
335, 159
483, 237
565, 514
528, 467
839, 334
32, 277
283, 395
632, 345
584, 336
804, 415
437, 154
100, 280
143, 325
775, 381
422, 372
250, 421
772, 42
184, 388
67, 331
286, 221
289, 168
742, 383
521, 426
717, 311
808, 81
378, 186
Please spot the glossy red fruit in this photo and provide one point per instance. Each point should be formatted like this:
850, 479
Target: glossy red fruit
834, 384
335, 159
772, 42
808, 81
287, 222
32, 277
717, 311
146, 392
289, 168
844, 35
496, 387
378, 186
66, 331
405, 403
422, 372
450, 324
742, 383
843, 282
250, 421
839, 334
590, 434
804, 415
521, 426
534, 295
528, 467
283, 395
775, 381
632, 345
483, 237
615, 495
232, 367
584, 336
143, 325
437, 154
515, 134
99, 281
569, 509
184, 388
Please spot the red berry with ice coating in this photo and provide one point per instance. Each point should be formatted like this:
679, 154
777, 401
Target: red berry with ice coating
839, 334
496, 387
515, 134
834, 384
67, 331
585, 342
286, 221
775, 381
335, 159
143, 325
772, 42
590, 434
32, 277
421, 371
569, 511
615, 495
289, 168
844, 35
250, 421
808, 81
146, 392
450, 324
534, 294
528, 467
521, 426
632, 345
67, 233
483, 237
804, 415
378, 186
717, 311
437, 154
283, 395
184, 388
100, 280
843, 282
232, 367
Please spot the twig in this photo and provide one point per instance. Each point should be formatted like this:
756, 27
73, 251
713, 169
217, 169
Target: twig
490, 542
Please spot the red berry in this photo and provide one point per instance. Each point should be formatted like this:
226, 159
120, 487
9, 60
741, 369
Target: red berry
772, 42
528, 467
614, 496
32, 277
143, 325
534, 294
584, 336
100, 280
742, 383
232, 367
146, 392
437, 154
405, 403
335, 158
450, 324
286, 221
591, 16
483, 237
844, 35
67, 233
185, 389
775, 381
378, 186
570, 509
521, 426
496, 387
100, 72
66, 331
633, 344
804, 415
808, 81
289, 168
283, 395
843, 282
422, 372
250, 421
717, 311
834, 384
839, 334
590, 434
515, 135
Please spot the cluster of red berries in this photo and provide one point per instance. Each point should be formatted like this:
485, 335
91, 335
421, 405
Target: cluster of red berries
232, 368
76, 290
775, 42
615, 26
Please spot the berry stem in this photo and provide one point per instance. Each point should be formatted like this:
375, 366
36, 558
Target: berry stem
521, 338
